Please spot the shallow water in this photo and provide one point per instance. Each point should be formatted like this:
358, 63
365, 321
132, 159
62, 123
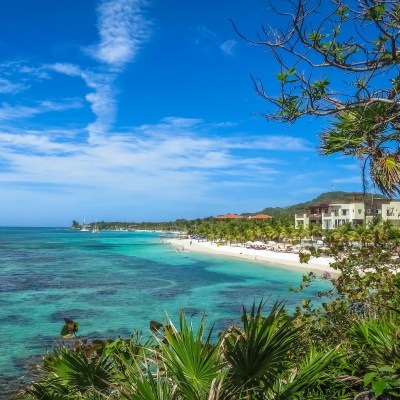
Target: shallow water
114, 283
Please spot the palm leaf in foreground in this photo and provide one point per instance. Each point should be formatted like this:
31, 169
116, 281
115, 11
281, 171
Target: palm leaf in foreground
259, 353
310, 377
189, 362
142, 385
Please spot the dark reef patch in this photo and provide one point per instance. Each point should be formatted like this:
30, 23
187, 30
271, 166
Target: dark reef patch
75, 314
188, 311
14, 319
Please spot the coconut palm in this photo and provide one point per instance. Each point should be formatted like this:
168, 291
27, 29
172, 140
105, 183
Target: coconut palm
314, 230
362, 234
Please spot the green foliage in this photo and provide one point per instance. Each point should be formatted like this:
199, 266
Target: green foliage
257, 354
367, 132
255, 361
379, 339
322, 42
194, 364
284, 75
70, 328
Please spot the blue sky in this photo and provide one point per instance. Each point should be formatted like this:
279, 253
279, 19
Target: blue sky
135, 110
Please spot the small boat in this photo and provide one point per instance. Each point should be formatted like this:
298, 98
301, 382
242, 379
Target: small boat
84, 227
95, 229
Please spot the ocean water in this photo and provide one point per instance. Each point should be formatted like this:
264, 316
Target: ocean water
114, 283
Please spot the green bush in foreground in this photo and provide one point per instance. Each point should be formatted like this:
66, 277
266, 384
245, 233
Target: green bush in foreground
265, 358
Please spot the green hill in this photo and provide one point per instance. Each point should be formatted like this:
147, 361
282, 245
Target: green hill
324, 198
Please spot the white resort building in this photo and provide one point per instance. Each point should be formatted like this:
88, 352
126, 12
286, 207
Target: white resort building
355, 211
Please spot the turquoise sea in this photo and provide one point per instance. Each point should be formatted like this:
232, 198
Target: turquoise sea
113, 283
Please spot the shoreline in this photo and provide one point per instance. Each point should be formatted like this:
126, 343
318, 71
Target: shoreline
266, 257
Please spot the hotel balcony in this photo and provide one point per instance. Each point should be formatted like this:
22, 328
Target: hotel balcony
300, 216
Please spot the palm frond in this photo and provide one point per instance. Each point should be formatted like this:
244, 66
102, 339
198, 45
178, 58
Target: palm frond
385, 173
88, 373
48, 390
309, 376
379, 339
143, 385
261, 351
188, 361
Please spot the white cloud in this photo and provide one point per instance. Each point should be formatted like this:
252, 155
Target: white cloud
65, 68
7, 86
350, 167
178, 160
274, 142
102, 99
228, 47
9, 112
122, 29
150, 156
182, 122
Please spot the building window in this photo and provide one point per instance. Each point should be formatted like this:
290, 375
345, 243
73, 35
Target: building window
344, 212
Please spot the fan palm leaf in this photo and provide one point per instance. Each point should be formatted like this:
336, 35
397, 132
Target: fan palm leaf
260, 352
48, 390
309, 379
80, 373
189, 362
143, 385
378, 339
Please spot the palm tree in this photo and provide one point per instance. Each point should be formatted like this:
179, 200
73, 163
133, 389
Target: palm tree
370, 133
362, 234
314, 230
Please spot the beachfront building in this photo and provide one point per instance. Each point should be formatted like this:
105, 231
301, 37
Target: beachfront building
355, 211
259, 216
228, 216
235, 216
391, 212
310, 215
343, 213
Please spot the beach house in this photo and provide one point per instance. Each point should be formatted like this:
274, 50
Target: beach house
355, 210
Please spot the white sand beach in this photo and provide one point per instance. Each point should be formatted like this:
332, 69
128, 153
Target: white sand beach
289, 260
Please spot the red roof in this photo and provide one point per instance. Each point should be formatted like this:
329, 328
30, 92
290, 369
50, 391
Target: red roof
228, 216
260, 216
